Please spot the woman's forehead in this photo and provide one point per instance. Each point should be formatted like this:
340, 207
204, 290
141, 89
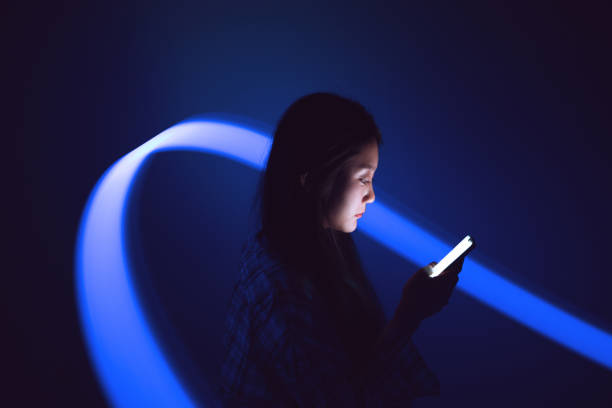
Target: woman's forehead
367, 158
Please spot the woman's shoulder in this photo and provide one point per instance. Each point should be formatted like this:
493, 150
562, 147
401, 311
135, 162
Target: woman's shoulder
261, 273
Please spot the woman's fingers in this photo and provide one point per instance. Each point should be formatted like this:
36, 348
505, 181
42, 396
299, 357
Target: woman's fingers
460, 264
449, 285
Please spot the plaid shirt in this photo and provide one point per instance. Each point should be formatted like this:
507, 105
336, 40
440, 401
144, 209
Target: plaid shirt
282, 350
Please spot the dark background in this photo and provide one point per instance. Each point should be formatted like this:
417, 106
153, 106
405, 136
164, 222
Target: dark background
496, 123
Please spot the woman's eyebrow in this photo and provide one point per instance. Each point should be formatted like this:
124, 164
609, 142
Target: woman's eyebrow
365, 166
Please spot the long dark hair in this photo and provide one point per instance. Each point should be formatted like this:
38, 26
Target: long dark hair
318, 134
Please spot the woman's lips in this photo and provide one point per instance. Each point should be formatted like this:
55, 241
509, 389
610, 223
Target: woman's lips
359, 215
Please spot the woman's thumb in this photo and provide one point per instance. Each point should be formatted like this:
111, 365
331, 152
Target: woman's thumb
429, 268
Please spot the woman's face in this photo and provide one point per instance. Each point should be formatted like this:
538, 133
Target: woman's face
353, 190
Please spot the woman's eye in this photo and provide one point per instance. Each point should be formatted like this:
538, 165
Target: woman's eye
364, 181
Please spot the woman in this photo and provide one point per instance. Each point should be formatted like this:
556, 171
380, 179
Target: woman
304, 326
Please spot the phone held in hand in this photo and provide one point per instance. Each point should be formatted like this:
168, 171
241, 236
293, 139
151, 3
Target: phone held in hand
461, 249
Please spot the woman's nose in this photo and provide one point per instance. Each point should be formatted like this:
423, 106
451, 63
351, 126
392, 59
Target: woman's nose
371, 196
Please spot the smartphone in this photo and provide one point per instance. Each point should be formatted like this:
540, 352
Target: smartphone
462, 249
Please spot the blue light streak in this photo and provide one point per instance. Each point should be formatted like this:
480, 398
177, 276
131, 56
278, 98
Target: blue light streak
128, 359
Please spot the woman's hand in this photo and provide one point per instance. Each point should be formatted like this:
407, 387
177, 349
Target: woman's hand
423, 296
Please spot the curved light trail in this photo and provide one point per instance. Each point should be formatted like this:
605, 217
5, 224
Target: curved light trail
128, 359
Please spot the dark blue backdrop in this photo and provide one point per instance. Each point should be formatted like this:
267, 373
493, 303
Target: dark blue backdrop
495, 120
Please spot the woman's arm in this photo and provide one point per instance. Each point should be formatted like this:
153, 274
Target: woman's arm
299, 349
395, 335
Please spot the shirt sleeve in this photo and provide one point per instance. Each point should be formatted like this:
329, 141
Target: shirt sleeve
302, 353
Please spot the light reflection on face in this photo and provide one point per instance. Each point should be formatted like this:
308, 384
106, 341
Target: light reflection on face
353, 190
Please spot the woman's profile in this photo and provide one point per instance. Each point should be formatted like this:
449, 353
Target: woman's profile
304, 326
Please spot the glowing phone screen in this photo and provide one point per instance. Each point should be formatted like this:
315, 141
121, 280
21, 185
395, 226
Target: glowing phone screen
452, 256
